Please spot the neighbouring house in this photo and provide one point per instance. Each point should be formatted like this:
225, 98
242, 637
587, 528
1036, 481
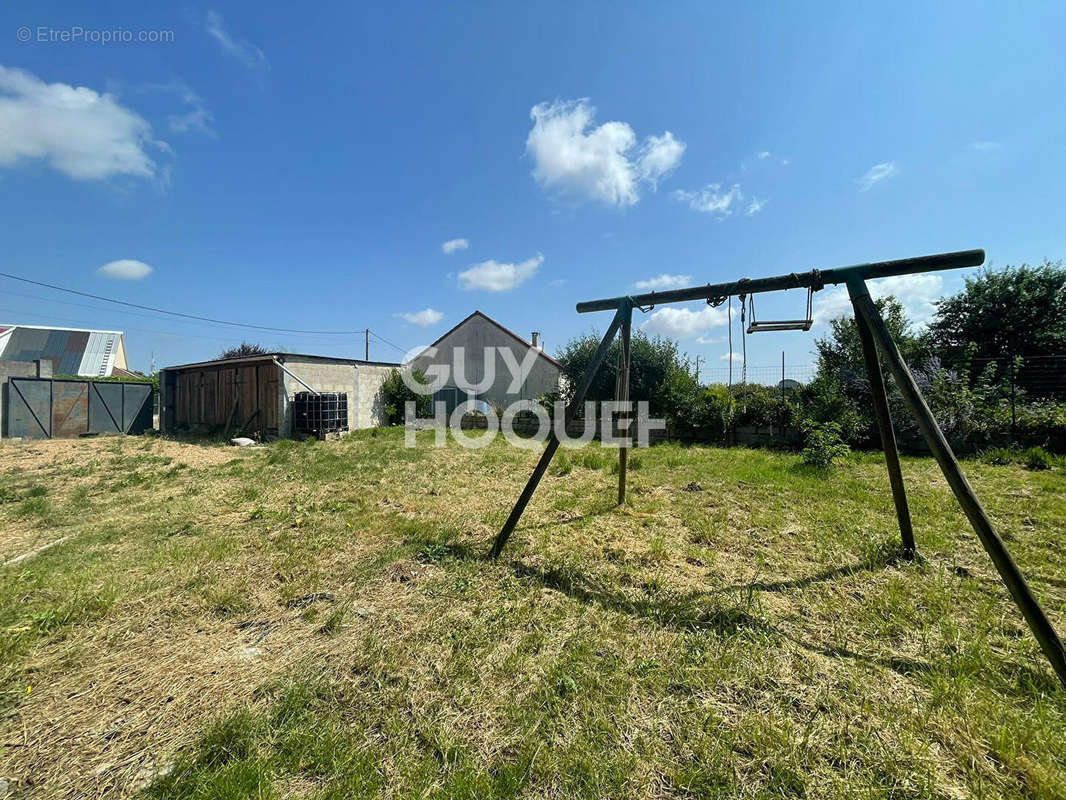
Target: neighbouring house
255, 394
70, 351
475, 334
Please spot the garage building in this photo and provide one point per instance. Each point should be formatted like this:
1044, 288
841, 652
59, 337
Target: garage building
255, 393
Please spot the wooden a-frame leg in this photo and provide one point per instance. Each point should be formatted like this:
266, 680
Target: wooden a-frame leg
888, 435
1012, 577
623, 397
624, 312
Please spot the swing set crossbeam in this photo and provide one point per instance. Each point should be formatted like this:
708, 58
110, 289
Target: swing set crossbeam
814, 279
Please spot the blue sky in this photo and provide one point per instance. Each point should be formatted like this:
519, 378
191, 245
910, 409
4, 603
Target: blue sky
302, 167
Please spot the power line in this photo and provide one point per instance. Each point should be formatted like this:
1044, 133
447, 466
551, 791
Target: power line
178, 313
82, 321
386, 341
100, 309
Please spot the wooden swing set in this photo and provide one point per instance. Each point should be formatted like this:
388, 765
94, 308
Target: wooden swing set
875, 339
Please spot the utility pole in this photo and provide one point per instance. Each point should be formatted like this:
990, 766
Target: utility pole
698, 367
368, 344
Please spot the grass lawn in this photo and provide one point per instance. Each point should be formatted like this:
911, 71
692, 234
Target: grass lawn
318, 620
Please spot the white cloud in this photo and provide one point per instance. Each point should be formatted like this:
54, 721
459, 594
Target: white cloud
600, 163
877, 173
125, 269
454, 245
494, 276
755, 206
423, 318
710, 339
917, 293
734, 357
985, 147
711, 199
75, 130
240, 49
195, 118
765, 154
556, 282
659, 156
664, 281
684, 323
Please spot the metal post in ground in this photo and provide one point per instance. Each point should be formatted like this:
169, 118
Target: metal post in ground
625, 310
1013, 400
1016, 584
784, 399
888, 435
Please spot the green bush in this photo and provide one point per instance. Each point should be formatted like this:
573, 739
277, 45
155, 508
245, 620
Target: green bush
395, 394
712, 412
761, 406
1042, 424
824, 444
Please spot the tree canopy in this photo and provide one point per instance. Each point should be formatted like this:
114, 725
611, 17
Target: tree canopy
840, 353
656, 371
243, 350
1017, 311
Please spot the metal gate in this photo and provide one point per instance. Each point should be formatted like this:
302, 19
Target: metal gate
42, 408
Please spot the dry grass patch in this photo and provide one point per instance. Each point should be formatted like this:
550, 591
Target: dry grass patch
318, 620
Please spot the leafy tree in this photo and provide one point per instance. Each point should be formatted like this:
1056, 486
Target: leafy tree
243, 350
840, 392
1018, 311
840, 353
656, 372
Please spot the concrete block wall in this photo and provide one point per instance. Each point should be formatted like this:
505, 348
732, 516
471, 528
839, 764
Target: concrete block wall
322, 376
370, 404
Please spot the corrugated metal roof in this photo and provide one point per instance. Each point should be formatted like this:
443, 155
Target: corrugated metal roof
71, 351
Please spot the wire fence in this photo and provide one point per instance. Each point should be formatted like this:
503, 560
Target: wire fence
763, 375
1024, 378
1029, 377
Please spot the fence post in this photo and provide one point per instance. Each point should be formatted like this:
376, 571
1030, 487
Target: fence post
784, 399
1013, 397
